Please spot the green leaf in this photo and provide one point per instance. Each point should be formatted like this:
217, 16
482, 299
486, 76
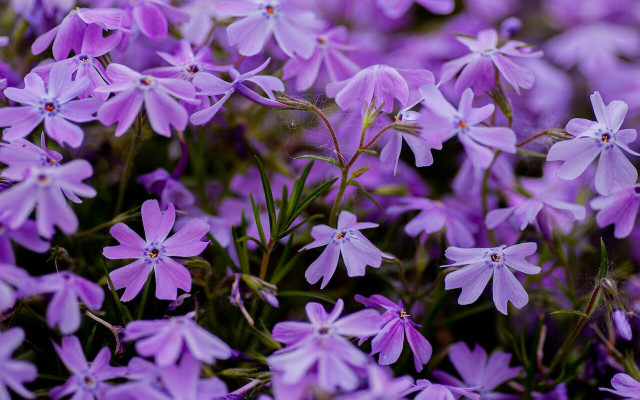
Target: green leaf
263, 248
502, 102
319, 158
281, 221
268, 194
256, 216
464, 35
295, 227
367, 151
311, 295
604, 261
527, 153
320, 190
569, 312
298, 187
365, 192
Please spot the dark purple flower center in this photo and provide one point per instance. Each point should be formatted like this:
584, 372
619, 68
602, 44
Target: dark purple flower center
495, 257
42, 179
605, 137
192, 69
270, 10
84, 58
324, 330
49, 106
153, 253
322, 40
146, 81
89, 381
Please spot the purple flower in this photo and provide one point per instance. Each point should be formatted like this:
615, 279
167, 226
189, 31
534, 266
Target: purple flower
133, 89
44, 189
480, 264
185, 64
396, 8
69, 34
211, 85
20, 155
172, 382
381, 83
170, 190
478, 66
622, 324
436, 391
433, 216
382, 385
328, 52
624, 386
154, 253
66, 288
54, 106
167, 339
26, 236
603, 137
153, 16
261, 18
357, 251
264, 290
478, 141
321, 347
88, 379
395, 325
619, 208
14, 373
527, 211
477, 371
14, 283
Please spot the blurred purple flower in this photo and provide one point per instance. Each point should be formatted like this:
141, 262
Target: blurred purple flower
15, 283
54, 106
264, 290
528, 210
478, 66
70, 33
622, 324
133, 89
482, 263
381, 83
66, 288
396, 8
168, 189
168, 339
619, 208
445, 122
20, 155
382, 385
477, 371
604, 138
624, 386
26, 236
154, 253
14, 373
88, 379
185, 64
433, 391
211, 85
357, 251
321, 347
260, 19
153, 16
394, 326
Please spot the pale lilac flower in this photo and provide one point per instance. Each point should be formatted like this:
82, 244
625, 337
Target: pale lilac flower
173, 382
54, 106
480, 264
211, 85
14, 373
382, 385
186, 62
357, 251
44, 189
619, 208
26, 236
320, 347
436, 391
601, 137
133, 88
478, 371
88, 381
433, 217
328, 53
14, 284
381, 83
167, 188
478, 67
531, 209
262, 18
167, 339
66, 289
478, 141
394, 326
396, 8
153, 16
20, 155
69, 34
155, 253
624, 386
622, 324
201, 21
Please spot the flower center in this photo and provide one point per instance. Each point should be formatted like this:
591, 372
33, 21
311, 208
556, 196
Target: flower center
637, 189
605, 137
270, 10
192, 69
153, 253
462, 124
403, 314
43, 179
84, 58
89, 381
495, 257
49, 106
324, 330
322, 40
146, 81
2, 229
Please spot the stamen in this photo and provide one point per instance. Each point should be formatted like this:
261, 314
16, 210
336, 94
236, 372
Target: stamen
496, 257
270, 10
403, 314
49, 107
153, 253
605, 137
462, 124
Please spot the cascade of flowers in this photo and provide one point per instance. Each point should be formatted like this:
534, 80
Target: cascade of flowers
338, 199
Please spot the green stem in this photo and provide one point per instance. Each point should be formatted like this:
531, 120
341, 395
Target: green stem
336, 204
128, 166
145, 293
264, 265
485, 192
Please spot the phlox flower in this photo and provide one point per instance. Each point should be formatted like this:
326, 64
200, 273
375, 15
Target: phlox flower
396, 8
186, 62
156, 252
480, 264
601, 137
133, 88
26, 236
54, 105
433, 391
259, 19
69, 34
211, 85
478, 371
620, 208
14, 284
20, 155
382, 385
357, 251
167, 188
88, 381
478, 141
167, 339
478, 66
381, 83
395, 325
321, 347
152, 17
66, 289
328, 53
14, 373
624, 386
